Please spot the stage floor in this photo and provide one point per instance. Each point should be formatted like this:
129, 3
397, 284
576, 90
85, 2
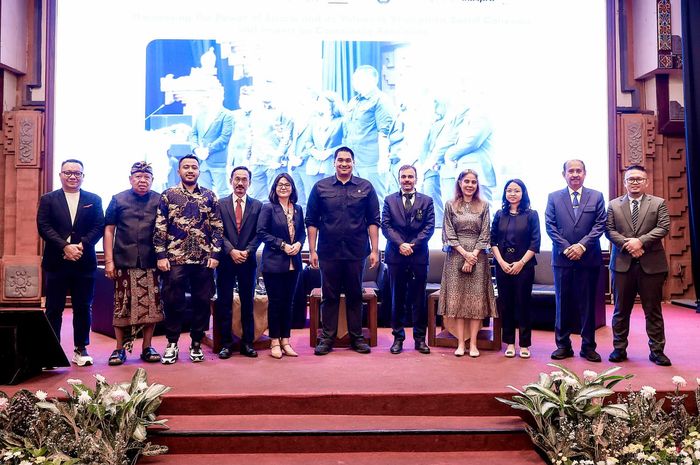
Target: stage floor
346, 372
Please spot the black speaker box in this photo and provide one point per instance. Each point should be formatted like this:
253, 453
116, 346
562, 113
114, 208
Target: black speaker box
27, 345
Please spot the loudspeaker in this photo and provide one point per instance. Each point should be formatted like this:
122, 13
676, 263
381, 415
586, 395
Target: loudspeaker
27, 345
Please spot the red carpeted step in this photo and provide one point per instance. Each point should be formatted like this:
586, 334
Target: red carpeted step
375, 458
219, 434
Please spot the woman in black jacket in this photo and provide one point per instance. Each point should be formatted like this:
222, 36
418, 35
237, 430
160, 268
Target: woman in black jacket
515, 239
281, 228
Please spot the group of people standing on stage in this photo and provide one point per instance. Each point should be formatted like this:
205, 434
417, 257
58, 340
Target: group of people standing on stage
159, 246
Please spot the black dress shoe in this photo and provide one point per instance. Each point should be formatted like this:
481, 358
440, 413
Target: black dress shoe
660, 359
561, 354
360, 346
248, 351
617, 356
323, 348
396, 347
225, 353
591, 356
422, 347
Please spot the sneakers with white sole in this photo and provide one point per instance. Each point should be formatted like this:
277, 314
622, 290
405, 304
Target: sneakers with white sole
81, 357
171, 353
196, 354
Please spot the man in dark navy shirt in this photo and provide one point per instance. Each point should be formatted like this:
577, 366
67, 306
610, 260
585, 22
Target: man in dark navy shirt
342, 213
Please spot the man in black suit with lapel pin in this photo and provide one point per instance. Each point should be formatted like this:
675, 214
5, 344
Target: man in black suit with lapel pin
408, 223
71, 222
239, 213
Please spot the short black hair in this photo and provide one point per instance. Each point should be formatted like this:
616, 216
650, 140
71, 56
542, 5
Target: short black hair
408, 167
190, 156
635, 167
343, 149
274, 198
569, 161
72, 160
250, 174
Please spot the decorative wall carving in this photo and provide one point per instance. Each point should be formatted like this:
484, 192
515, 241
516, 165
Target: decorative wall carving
26, 141
664, 160
21, 281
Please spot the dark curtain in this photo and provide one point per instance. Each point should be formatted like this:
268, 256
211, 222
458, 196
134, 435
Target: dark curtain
178, 57
341, 58
690, 14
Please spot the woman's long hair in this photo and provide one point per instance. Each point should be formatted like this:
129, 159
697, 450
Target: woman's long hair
476, 202
524, 201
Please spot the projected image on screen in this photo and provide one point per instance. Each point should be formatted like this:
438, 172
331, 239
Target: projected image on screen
510, 89
228, 103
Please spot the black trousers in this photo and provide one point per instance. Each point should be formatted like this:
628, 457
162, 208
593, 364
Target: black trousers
227, 274
626, 286
575, 290
81, 285
280, 299
341, 277
407, 284
200, 280
514, 296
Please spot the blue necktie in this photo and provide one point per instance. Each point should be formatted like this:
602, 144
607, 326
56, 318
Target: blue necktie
576, 205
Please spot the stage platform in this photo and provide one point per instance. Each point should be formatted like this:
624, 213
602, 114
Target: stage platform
379, 403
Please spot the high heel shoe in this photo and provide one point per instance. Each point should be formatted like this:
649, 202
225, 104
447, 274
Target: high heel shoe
287, 348
275, 349
459, 352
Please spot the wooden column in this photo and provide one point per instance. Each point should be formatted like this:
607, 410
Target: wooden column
20, 172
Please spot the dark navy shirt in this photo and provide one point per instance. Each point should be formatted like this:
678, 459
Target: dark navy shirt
342, 213
134, 218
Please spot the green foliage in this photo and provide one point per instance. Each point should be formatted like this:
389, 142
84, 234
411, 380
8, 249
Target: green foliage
105, 425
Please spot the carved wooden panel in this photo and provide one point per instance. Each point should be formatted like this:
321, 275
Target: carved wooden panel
664, 159
21, 279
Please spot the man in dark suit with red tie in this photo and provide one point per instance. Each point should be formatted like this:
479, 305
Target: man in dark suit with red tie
239, 213
408, 223
70, 221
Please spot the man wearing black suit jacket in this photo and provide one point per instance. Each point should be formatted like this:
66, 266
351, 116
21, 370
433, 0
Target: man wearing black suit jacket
71, 222
408, 223
239, 213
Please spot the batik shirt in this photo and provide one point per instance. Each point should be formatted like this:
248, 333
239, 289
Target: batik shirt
188, 229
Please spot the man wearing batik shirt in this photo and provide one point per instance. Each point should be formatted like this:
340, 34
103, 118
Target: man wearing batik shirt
188, 239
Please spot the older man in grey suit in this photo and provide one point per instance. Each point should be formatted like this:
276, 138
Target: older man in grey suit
636, 224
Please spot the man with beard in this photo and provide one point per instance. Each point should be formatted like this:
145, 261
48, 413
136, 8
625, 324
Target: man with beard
408, 223
188, 239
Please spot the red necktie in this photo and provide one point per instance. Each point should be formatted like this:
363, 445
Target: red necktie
239, 214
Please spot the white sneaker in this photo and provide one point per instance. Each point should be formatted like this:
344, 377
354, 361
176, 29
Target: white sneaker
196, 354
81, 357
171, 354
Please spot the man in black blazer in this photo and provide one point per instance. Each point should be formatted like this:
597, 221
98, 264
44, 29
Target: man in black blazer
408, 223
71, 222
239, 213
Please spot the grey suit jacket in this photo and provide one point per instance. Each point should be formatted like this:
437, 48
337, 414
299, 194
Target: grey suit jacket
652, 226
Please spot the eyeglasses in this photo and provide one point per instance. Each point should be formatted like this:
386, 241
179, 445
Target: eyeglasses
635, 180
72, 174
284, 185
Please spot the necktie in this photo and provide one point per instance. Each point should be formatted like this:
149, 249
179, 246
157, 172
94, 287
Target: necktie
239, 214
407, 203
575, 204
635, 213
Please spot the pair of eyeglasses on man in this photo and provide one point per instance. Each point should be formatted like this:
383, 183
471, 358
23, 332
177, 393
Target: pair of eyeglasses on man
635, 180
72, 174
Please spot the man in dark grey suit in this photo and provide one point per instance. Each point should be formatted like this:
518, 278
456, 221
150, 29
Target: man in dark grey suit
575, 220
408, 223
239, 213
70, 221
636, 224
